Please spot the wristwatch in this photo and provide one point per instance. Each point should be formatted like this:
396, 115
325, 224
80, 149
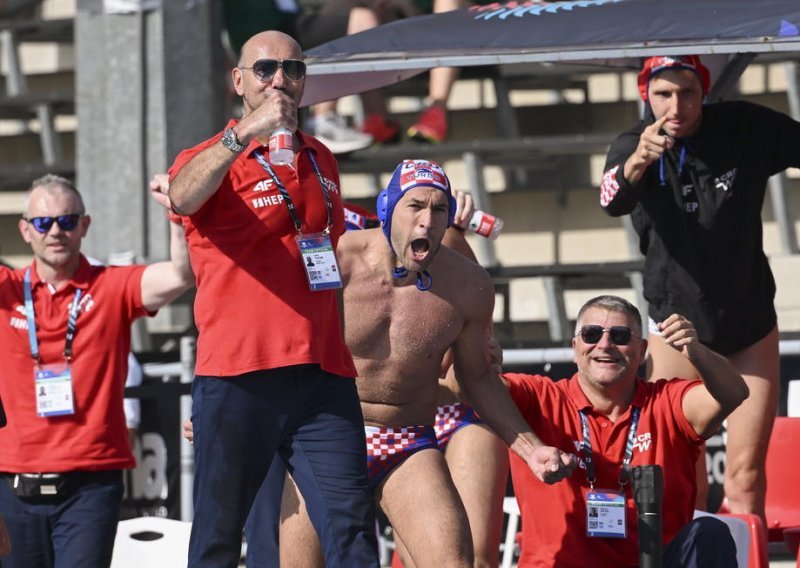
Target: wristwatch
231, 141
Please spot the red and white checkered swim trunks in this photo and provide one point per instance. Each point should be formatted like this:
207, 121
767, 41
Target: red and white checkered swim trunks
388, 447
450, 418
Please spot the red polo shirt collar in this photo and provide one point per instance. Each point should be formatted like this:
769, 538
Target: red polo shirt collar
582, 401
80, 279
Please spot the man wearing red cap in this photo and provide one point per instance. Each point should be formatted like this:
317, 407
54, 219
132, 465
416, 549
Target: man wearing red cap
693, 178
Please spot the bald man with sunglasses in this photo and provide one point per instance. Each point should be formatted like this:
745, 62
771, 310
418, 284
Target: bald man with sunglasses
274, 379
65, 335
613, 420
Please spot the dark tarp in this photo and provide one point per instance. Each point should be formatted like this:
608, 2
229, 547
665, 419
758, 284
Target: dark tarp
600, 32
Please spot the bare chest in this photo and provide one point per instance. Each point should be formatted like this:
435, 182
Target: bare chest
387, 323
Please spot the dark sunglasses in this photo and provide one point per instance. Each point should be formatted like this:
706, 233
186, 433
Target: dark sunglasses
65, 222
264, 69
620, 335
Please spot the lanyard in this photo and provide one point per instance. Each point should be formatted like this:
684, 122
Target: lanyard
298, 224
662, 177
72, 320
586, 446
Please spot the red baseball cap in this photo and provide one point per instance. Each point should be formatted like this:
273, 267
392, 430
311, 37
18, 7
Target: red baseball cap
654, 65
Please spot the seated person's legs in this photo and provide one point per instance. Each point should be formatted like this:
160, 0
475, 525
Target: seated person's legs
432, 123
376, 122
332, 20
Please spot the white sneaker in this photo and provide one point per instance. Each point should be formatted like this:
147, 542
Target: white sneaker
331, 130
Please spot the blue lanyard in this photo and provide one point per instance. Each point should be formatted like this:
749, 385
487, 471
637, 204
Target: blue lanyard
72, 320
662, 177
586, 446
298, 224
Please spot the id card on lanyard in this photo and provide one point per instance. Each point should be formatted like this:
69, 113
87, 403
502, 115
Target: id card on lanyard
320, 261
316, 249
605, 508
52, 382
53, 389
605, 512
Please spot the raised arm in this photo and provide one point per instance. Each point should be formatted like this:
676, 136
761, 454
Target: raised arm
202, 175
200, 178
487, 394
162, 282
723, 388
626, 163
652, 145
455, 238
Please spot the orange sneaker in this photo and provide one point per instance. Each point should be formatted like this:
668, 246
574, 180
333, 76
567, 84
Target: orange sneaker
382, 131
431, 126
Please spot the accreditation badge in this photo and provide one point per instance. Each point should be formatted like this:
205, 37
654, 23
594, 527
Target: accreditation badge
53, 389
319, 261
605, 513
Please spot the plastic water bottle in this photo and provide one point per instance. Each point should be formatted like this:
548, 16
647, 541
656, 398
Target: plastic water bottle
485, 224
281, 146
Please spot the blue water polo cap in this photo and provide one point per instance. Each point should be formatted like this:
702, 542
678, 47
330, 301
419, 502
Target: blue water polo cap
408, 175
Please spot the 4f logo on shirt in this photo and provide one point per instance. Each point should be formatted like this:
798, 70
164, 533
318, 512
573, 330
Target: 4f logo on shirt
690, 203
267, 184
264, 185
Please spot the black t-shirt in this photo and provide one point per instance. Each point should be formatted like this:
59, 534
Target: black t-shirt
698, 215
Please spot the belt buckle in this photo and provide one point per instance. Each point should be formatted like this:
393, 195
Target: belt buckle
45, 488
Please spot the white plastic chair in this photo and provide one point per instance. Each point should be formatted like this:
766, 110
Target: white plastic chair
153, 542
511, 508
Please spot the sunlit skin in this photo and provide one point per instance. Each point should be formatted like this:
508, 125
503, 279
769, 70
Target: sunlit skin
605, 369
250, 88
267, 106
57, 252
677, 96
418, 226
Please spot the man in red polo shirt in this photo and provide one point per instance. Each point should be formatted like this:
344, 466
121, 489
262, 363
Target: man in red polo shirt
590, 519
273, 376
65, 331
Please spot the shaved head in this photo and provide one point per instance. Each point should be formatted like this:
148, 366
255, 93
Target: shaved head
272, 46
269, 40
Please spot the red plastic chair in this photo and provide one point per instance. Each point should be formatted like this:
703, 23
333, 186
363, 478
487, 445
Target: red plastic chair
758, 556
783, 489
792, 539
